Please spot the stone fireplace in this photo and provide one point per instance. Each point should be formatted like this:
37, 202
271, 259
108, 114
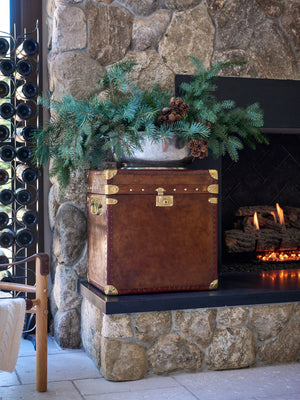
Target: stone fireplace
131, 336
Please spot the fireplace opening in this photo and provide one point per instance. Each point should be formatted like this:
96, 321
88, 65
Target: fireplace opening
261, 208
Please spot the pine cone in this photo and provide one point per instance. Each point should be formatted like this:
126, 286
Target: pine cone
199, 148
177, 108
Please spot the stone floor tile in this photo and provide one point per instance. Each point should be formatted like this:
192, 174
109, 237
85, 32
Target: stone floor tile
244, 384
66, 366
100, 386
27, 347
288, 396
278, 382
56, 391
174, 393
7, 379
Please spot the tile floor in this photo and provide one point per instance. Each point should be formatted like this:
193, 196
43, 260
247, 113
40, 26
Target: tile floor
72, 375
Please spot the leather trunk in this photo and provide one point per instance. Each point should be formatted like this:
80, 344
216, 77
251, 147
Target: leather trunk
152, 230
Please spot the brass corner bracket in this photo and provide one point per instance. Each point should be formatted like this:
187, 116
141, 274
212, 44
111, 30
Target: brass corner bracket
110, 173
214, 285
110, 290
213, 173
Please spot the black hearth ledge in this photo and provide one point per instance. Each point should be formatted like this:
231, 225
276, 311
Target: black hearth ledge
235, 289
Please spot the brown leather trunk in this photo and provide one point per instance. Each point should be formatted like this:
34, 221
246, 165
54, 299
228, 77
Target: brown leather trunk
152, 230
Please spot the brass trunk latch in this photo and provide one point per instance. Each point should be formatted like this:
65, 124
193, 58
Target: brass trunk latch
96, 206
161, 200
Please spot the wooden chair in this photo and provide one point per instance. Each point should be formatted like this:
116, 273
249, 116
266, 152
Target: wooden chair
39, 307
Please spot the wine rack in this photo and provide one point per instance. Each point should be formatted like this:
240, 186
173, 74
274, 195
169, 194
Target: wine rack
19, 177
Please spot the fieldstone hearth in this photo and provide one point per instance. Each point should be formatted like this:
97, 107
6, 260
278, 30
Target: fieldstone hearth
128, 346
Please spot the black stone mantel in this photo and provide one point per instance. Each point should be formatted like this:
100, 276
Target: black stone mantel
234, 289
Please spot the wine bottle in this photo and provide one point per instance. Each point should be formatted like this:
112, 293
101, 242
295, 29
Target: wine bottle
7, 67
7, 110
25, 133
7, 238
4, 89
3, 260
22, 196
23, 111
27, 91
24, 68
4, 133
4, 218
27, 217
4, 46
4, 176
7, 153
24, 154
6, 276
26, 174
29, 47
24, 237
6, 196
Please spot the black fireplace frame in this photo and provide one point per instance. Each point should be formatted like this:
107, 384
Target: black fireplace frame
279, 99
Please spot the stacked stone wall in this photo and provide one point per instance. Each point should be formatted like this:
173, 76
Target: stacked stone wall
130, 346
86, 36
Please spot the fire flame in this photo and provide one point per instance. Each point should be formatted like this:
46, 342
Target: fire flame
281, 256
280, 214
255, 221
274, 216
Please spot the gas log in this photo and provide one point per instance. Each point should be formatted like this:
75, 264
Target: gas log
268, 214
271, 234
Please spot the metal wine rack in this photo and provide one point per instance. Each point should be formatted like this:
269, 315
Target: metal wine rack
18, 251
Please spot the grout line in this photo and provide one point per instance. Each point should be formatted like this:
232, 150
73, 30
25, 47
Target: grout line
77, 389
18, 377
189, 390
186, 388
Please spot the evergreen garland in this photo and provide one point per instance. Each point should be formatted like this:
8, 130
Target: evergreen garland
224, 126
87, 133
106, 126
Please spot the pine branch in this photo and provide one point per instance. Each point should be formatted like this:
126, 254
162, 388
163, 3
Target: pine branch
106, 126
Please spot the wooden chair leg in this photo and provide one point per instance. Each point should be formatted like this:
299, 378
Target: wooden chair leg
40, 309
41, 329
